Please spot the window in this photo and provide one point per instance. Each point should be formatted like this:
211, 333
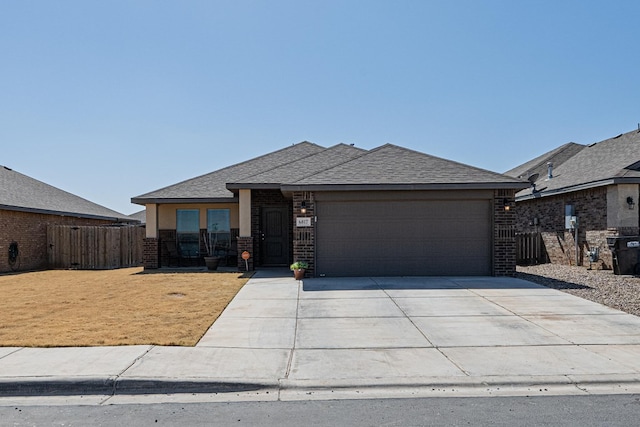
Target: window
188, 232
219, 231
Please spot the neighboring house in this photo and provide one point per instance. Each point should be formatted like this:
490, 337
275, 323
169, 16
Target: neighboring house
28, 206
344, 210
139, 216
598, 185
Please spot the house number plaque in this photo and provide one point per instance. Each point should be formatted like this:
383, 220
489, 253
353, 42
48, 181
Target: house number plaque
303, 222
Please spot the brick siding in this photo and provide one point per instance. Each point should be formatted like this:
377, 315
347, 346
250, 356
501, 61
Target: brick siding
151, 253
504, 236
245, 244
547, 216
304, 237
29, 230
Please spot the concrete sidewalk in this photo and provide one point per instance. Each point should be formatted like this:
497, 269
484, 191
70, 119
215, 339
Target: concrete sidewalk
331, 338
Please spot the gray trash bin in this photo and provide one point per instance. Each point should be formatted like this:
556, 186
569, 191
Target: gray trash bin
625, 254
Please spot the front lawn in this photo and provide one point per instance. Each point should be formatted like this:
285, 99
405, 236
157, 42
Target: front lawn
58, 308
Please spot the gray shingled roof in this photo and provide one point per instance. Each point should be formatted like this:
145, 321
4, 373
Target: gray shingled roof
390, 165
140, 216
302, 168
20, 192
307, 165
557, 156
212, 186
614, 160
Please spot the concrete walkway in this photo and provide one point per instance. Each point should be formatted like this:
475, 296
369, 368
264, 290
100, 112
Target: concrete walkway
332, 338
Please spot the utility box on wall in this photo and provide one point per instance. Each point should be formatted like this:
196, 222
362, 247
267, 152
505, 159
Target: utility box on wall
570, 218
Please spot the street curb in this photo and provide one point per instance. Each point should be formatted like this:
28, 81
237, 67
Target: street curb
30, 387
111, 386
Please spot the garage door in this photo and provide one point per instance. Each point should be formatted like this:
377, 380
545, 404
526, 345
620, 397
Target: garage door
404, 238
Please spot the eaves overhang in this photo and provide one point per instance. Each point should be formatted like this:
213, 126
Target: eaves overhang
71, 214
406, 187
577, 187
176, 200
235, 186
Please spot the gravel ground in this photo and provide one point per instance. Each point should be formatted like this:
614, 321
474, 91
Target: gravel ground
601, 286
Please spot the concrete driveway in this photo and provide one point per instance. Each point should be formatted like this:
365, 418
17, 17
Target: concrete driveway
330, 338
429, 330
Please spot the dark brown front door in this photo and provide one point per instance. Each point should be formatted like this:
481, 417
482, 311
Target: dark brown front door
275, 236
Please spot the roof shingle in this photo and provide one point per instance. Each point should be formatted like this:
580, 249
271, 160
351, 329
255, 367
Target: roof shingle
20, 192
390, 164
212, 186
612, 160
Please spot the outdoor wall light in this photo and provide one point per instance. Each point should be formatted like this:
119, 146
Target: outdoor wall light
506, 204
303, 207
630, 202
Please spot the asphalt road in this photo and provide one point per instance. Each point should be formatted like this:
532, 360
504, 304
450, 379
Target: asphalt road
602, 410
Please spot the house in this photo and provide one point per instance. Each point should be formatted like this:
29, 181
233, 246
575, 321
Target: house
140, 216
344, 210
591, 191
27, 207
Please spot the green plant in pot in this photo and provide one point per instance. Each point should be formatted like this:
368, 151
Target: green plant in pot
299, 268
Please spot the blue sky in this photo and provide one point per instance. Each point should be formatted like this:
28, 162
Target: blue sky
112, 99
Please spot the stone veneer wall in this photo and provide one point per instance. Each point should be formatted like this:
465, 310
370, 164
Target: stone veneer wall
547, 216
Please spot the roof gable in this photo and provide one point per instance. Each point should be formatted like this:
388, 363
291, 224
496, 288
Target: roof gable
557, 156
603, 163
212, 186
20, 192
390, 164
304, 167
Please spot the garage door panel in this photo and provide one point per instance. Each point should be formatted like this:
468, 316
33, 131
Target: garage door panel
429, 237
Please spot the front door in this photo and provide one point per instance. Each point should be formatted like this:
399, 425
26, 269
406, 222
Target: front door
274, 246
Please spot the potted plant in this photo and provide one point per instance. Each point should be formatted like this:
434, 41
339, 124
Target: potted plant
298, 268
210, 241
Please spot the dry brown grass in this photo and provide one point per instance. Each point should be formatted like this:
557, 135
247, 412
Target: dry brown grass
59, 308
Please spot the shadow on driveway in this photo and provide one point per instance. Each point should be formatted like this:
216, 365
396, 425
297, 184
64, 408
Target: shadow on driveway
414, 283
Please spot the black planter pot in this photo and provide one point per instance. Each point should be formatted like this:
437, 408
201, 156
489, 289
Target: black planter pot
212, 262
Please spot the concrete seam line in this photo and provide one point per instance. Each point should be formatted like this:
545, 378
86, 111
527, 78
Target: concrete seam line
295, 331
13, 352
419, 330
117, 377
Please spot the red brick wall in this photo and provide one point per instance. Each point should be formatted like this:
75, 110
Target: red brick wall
547, 216
29, 230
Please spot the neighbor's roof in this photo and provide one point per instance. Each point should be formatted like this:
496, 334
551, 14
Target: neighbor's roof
140, 216
393, 167
557, 156
612, 161
22, 193
212, 186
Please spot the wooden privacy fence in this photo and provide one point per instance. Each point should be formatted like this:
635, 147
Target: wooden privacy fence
94, 247
530, 248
